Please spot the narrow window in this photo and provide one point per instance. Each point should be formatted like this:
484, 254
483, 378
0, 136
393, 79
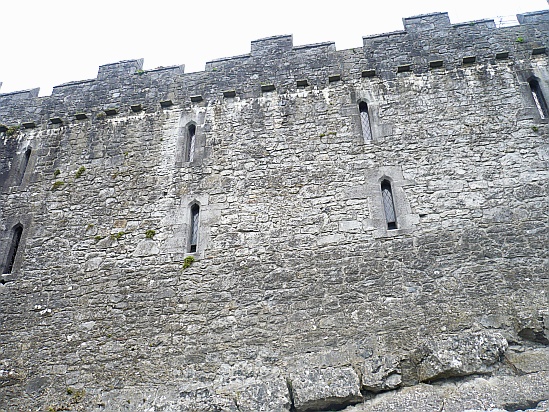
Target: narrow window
365, 121
388, 204
539, 100
191, 131
24, 165
195, 213
17, 231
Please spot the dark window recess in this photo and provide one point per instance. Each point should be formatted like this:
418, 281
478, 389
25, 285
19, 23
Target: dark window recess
502, 55
388, 204
24, 165
195, 217
539, 100
365, 121
17, 231
191, 131
436, 63
469, 59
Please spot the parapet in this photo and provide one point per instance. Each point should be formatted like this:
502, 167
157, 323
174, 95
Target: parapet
428, 42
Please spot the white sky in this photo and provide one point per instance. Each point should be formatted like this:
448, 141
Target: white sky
49, 42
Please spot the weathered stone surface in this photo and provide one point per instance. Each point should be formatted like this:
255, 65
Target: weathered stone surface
381, 373
146, 248
529, 361
534, 326
167, 398
507, 393
324, 389
461, 355
253, 388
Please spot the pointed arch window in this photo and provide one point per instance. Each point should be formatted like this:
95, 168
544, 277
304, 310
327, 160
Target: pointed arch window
365, 121
16, 234
388, 204
539, 99
24, 165
191, 139
193, 235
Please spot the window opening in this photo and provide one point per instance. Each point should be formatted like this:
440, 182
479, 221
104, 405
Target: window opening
24, 165
191, 142
17, 231
539, 100
365, 121
388, 204
195, 212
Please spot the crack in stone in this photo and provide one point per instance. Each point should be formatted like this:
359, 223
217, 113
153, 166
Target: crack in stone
291, 394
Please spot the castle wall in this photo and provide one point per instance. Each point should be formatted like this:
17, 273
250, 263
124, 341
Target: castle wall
298, 288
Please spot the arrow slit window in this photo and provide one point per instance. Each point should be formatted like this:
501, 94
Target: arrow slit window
195, 218
539, 99
24, 165
16, 233
191, 140
365, 121
388, 204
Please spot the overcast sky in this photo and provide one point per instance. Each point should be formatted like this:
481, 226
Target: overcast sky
49, 42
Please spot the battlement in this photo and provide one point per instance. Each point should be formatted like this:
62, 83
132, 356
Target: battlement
425, 39
272, 45
426, 22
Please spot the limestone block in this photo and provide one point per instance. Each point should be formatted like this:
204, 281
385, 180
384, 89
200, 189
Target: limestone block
461, 355
529, 361
492, 394
254, 395
320, 389
510, 393
381, 373
534, 327
198, 399
350, 226
421, 397
253, 387
147, 247
93, 264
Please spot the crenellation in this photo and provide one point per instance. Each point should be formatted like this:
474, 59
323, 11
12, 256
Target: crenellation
384, 53
270, 46
426, 22
533, 17
119, 69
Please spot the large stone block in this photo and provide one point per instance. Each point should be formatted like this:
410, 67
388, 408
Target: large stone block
381, 373
322, 389
460, 355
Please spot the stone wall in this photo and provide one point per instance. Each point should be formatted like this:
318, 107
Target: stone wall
298, 296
